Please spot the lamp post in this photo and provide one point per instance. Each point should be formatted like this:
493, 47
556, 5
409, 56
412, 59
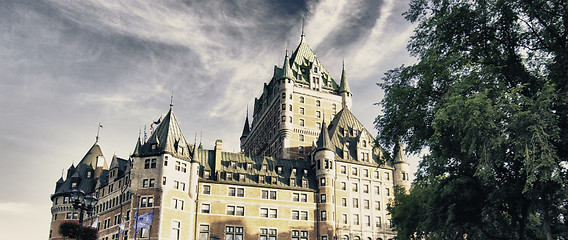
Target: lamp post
83, 202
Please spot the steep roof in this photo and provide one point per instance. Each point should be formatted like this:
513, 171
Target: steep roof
304, 56
94, 157
323, 140
346, 122
167, 138
399, 156
344, 87
246, 127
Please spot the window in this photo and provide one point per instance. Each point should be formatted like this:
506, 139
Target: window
343, 169
322, 198
354, 171
299, 235
232, 191
295, 215
303, 197
322, 182
268, 213
206, 189
304, 215
318, 125
264, 167
273, 179
344, 218
302, 110
318, 114
388, 191
301, 137
387, 176
377, 191
377, 205
283, 106
378, 221
323, 216
206, 174
205, 208
150, 163
268, 234
146, 201
164, 181
354, 187
318, 103
144, 233
366, 204
301, 99
176, 230
365, 188
181, 167
376, 174
295, 197
266, 194
344, 202
304, 183
334, 106
355, 219
343, 186
233, 164
302, 123
367, 220
203, 232
177, 203
229, 176
355, 203
230, 210
240, 192
179, 185
234, 233
366, 172
389, 223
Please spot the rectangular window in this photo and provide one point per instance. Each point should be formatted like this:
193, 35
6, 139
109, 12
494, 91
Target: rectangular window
232, 191
230, 210
176, 230
240, 211
302, 110
272, 213
343, 169
378, 221
365, 188
387, 176
268, 234
177, 203
323, 216
302, 122
377, 190
295, 197
355, 219
264, 212
299, 235
377, 205
343, 186
234, 233
304, 215
366, 204
240, 192
295, 215
344, 218
266, 194
146, 201
303, 197
322, 198
354, 187
344, 202
206, 189
205, 208
322, 182
355, 203
203, 232
387, 191
367, 220
354, 171
366, 172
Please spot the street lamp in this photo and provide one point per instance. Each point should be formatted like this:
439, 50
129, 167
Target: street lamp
83, 202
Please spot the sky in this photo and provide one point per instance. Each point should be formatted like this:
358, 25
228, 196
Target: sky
67, 65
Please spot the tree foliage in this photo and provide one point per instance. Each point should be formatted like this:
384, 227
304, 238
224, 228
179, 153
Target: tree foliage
488, 98
74, 230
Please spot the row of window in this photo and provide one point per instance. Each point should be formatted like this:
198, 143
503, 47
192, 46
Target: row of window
366, 203
234, 210
364, 172
355, 188
366, 220
237, 233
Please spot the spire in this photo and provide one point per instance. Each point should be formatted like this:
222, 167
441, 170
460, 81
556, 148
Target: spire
172, 100
138, 147
286, 69
324, 143
246, 128
98, 131
303, 25
344, 87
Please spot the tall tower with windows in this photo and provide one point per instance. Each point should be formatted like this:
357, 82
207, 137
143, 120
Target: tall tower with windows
288, 115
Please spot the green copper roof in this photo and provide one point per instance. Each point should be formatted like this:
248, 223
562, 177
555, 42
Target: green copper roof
286, 70
246, 128
304, 57
343, 122
344, 87
323, 140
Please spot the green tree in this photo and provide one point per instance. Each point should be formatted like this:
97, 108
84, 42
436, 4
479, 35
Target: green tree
488, 99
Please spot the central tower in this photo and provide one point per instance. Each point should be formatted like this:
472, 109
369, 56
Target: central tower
288, 116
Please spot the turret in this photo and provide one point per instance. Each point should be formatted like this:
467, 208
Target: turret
324, 164
246, 131
401, 168
346, 100
194, 174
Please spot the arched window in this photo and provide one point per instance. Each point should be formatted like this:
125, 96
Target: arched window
345, 237
318, 103
364, 143
356, 238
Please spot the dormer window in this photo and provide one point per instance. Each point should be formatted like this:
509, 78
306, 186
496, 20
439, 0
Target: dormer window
264, 167
249, 166
153, 146
229, 176
73, 185
279, 169
293, 170
89, 174
273, 179
305, 171
234, 164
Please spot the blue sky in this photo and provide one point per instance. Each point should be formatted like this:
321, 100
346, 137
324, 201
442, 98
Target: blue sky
67, 65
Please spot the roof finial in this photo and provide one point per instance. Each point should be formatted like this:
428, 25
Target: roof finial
303, 25
98, 131
172, 100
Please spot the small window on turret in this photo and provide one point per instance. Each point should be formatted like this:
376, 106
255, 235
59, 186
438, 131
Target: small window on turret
301, 99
